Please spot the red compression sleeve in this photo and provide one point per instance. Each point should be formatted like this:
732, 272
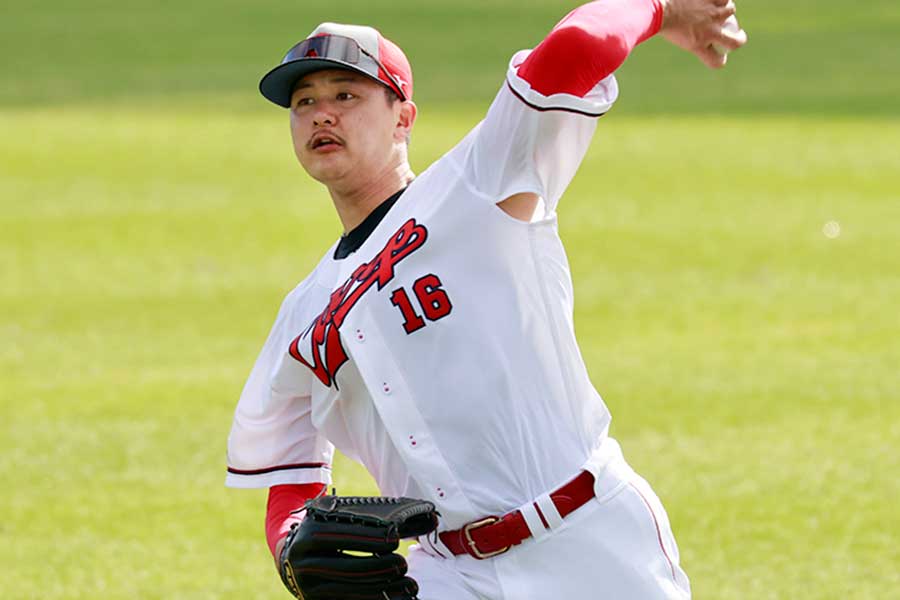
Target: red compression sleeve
589, 44
284, 499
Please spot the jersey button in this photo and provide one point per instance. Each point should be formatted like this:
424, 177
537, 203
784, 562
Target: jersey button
360, 336
386, 388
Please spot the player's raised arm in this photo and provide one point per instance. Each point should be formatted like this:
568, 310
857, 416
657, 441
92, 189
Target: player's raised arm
529, 146
593, 40
589, 44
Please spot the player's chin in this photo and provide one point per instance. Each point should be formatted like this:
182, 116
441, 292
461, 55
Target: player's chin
325, 169
318, 159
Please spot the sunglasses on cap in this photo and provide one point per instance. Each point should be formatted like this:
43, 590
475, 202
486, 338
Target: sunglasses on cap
343, 50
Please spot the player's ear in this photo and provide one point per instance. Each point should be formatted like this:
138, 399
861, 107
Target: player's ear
405, 120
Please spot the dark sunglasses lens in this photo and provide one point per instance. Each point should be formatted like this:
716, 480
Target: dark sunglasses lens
333, 47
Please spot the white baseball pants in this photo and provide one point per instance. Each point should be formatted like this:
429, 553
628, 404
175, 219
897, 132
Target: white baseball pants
619, 546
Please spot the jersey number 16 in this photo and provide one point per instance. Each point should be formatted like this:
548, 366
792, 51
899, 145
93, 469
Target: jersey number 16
434, 301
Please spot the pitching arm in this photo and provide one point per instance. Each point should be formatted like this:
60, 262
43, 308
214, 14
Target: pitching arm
589, 44
539, 127
541, 123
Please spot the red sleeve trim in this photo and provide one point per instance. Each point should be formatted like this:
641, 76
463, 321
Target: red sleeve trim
283, 501
589, 44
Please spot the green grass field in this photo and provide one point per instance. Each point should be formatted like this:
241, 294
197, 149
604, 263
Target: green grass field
734, 240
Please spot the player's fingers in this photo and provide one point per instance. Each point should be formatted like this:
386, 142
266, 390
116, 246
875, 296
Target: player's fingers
711, 58
721, 2
730, 40
723, 12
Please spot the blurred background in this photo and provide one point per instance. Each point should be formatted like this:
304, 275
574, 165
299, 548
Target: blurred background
735, 247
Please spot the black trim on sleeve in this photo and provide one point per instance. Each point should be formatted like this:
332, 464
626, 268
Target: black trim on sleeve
234, 471
547, 108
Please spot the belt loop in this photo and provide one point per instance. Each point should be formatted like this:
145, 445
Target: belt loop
433, 544
548, 509
534, 521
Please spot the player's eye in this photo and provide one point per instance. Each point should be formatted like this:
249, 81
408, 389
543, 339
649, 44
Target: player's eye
303, 102
345, 96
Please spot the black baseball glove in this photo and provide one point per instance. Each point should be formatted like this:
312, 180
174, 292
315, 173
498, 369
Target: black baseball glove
316, 561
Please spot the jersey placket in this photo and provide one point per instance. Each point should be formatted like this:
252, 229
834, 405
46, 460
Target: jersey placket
401, 417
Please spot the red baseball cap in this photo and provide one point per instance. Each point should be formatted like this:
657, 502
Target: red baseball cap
335, 46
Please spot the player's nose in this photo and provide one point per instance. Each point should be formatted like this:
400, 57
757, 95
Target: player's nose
324, 117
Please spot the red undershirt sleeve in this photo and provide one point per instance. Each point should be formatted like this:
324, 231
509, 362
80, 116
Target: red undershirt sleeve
589, 44
283, 500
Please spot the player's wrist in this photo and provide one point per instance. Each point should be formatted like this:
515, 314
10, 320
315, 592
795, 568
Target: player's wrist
281, 510
669, 15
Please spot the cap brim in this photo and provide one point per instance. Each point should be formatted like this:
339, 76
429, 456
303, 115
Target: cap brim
278, 84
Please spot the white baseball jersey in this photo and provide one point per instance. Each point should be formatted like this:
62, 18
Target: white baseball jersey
442, 353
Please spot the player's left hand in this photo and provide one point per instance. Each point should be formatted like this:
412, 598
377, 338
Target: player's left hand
698, 27
316, 561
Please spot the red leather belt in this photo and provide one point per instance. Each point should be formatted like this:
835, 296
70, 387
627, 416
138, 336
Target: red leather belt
491, 536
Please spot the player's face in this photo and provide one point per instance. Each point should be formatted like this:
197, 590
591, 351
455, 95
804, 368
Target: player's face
343, 127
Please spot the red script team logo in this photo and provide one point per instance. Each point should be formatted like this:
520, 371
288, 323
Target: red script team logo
322, 350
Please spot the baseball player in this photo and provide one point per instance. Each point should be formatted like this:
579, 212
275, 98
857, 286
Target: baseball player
434, 341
